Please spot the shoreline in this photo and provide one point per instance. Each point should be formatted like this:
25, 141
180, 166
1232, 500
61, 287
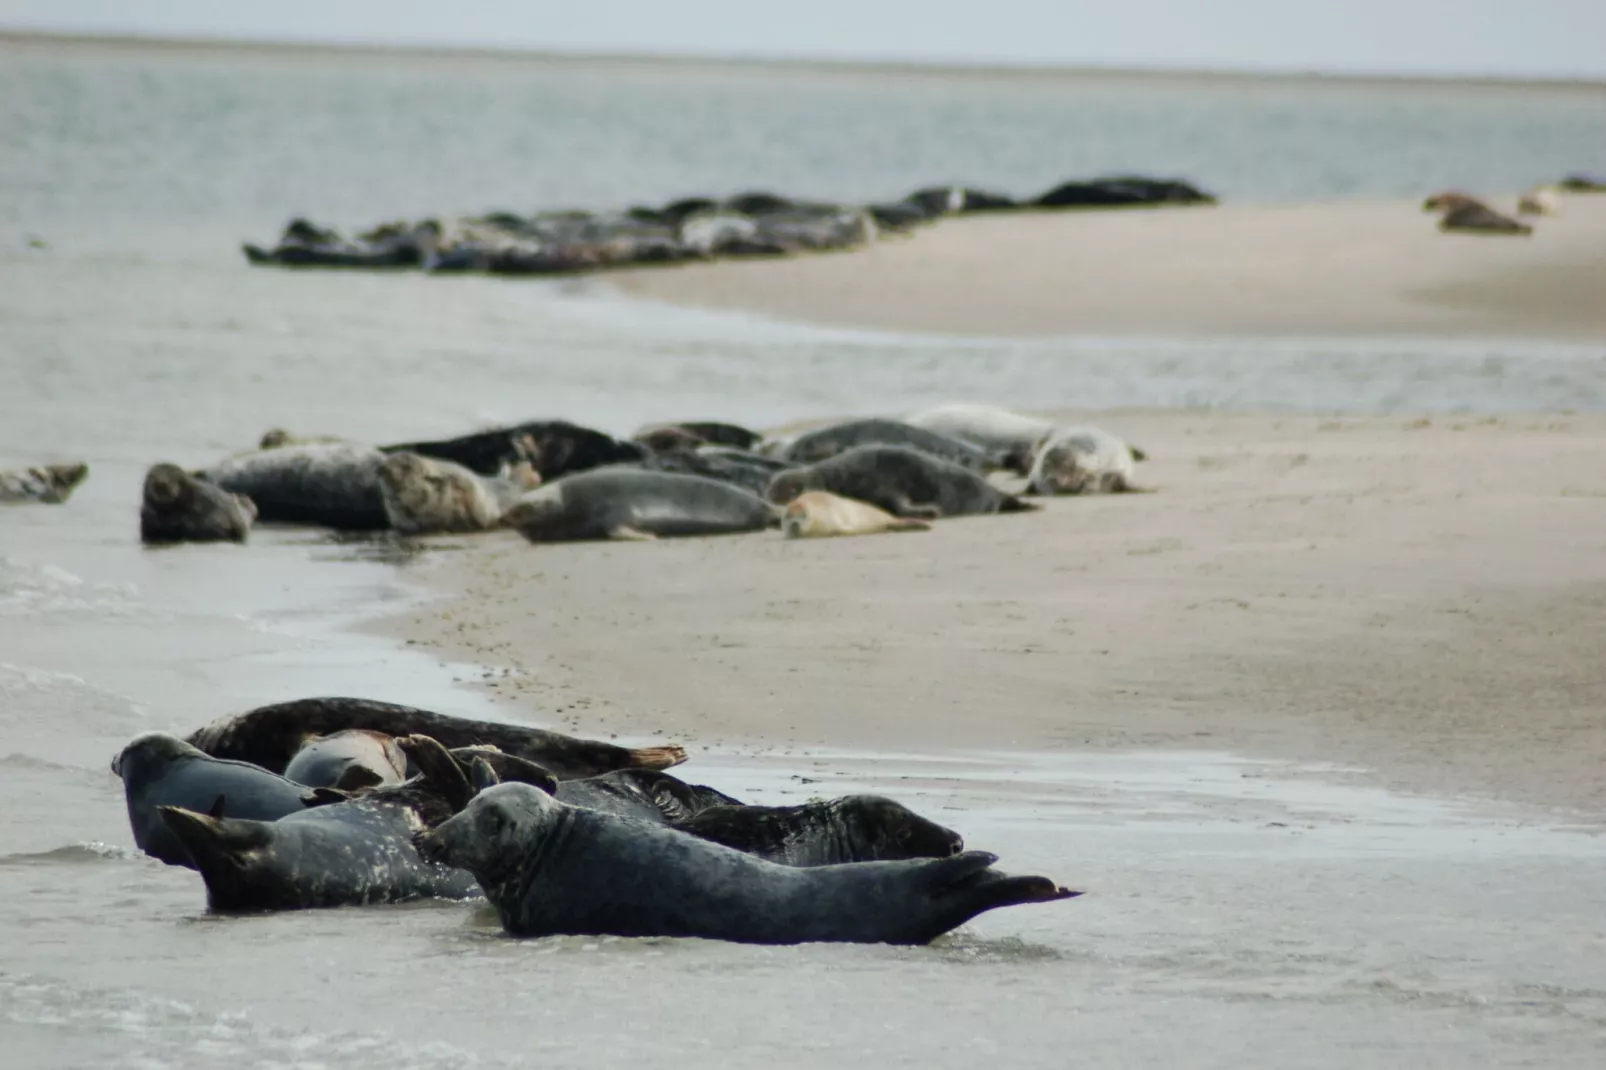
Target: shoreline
1412, 598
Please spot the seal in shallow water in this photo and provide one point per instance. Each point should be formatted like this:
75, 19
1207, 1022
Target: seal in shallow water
903, 481
50, 484
550, 868
334, 484
625, 502
1081, 460
270, 736
425, 495
854, 828
817, 514
163, 770
349, 853
823, 442
177, 507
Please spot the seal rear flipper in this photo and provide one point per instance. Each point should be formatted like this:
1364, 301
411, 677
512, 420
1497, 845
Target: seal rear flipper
207, 838
502, 767
657, 757
438, 770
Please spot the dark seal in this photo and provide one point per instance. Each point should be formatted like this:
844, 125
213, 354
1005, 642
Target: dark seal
333, 484
554, 447
625, 502
270, 736
903, 481
824, 442
177, 507
855, 828
50, 484
550, 868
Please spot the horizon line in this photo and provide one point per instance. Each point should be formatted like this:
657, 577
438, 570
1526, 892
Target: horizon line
844, 65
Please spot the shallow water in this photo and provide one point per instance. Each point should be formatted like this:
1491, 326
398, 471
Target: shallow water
1238, 913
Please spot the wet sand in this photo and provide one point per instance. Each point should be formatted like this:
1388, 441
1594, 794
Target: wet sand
1343, 268
1420, 601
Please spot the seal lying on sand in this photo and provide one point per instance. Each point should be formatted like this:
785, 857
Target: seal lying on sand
709, 431
818, 514
554, 447
1541, 200
1462, 211
334, 484
50, 484
623, 502
855, 828
642, 793
903, 481
817, 445
350, 853
1008, 435
1081, 460
270, 736
425, 495
550, 868
751, 472
177, 507
163, 770
355, 758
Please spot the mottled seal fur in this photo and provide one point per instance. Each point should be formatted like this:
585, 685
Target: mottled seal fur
177, 507
270, 736
646, 794
333, 484
163, 770
624, 502
905, 482
711, 432
50, 484
1080, 460
351, 853
824, 442
749, 471
816, 514
854, 828
1006, 434
555, 447
348, 760
425, 495
550, 868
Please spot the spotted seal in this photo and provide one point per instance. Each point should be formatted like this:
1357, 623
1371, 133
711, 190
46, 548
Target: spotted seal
824, 442
50, 484
332, 484
854, 828
623, 502
816, 514
425, 495
270, 736
163, 770
350, 853
1081, 460
550, 868
177, 507
903, 481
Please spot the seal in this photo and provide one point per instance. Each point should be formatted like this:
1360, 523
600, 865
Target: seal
854, 828
1009, 435
50, 484
818, 514
1464, 212
642, 793
163, 770
555, 447
277, 438
349, 760
903, 481
426, 495
1081, 460
349, 853
177, 507
550, 868
711, 432
333, 484
817, 445
270, 736
1541, 200
624, 502
751, 472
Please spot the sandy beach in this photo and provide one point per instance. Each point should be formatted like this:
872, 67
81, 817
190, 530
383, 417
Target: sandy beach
1422, 600
1341, 268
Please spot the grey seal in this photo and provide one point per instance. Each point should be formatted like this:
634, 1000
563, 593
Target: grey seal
821, 443
333, 484
751, 472
1009, 435
177, 507
270, 736
1081, 460
623, 502
710, 432
426, 495
647, 794
903, 481
50, 484
351, 759
1464, 212
854, 828
163, 770
550, 868
351, 853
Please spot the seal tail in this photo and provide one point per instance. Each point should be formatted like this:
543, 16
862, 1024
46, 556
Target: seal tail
966, 885
656, 757
209, 839
438, 770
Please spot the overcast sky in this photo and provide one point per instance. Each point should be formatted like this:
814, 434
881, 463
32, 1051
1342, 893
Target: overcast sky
1553, 38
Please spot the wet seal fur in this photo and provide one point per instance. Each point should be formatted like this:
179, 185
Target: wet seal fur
550, 868
351, 853
1081, 460
333, 484
177, 507
822, 443
854, 828
48, 484
903, 481
352, 759
270, 736
162, 770
818, 514
426, 495
624, 502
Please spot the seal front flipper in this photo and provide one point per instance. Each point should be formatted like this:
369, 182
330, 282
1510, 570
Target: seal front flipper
627, 531
324, 797
909, 510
